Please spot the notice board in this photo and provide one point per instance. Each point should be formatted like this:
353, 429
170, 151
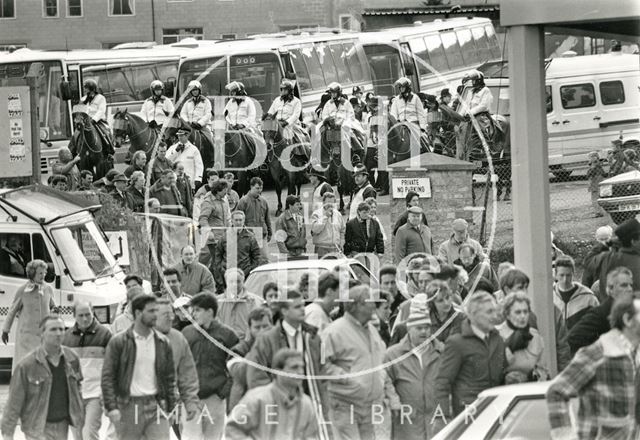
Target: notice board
16, 143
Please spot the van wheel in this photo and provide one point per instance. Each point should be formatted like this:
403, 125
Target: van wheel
561, 174
619, 217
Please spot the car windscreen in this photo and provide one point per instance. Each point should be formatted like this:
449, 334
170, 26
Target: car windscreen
283, 278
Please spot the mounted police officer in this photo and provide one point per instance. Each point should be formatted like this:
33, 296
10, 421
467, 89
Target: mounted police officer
337, 107
359, 106
157, 108
287, 110
479, 101
95, 105
407, 107
196, 111
240, 111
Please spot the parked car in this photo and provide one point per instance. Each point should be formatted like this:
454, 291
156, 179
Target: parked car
507, 412
288, 273
620, 196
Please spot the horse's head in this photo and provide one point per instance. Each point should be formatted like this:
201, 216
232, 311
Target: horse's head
81, 121
121, 124
271, 129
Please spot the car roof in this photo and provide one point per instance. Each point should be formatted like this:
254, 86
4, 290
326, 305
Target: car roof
325, 263
522, 389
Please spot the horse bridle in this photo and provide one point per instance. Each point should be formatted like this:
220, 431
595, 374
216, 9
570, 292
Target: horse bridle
84, 140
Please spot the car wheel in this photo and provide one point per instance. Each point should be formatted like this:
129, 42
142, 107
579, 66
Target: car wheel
619, 217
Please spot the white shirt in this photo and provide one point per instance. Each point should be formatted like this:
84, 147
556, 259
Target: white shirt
289, 111
410, 111
243, 113
97, 108
294, 336
143, 380
200, 112
315, 315
342, 112
190, 158
478, 102
156, 111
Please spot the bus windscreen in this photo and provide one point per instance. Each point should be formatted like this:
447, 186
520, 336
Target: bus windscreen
386, 67
260, 74
53, 111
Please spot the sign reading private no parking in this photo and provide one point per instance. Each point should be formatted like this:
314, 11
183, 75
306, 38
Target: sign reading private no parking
401, 186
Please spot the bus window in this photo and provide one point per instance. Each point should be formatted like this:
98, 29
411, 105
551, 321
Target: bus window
436, 53
494, 46
356, 62
469, 52
314, 67
482, 44
213, 84
142, 78
260, 74
452, 50
53, 112
112, 82
385, 65
420, 50
302, 74
341, 66
326, 63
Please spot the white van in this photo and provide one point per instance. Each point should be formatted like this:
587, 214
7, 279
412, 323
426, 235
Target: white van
591, 100
37, 222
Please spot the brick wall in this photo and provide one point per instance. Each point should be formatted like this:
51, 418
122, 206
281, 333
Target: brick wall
96, 29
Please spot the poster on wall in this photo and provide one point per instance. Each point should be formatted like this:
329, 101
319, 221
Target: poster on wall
15, 132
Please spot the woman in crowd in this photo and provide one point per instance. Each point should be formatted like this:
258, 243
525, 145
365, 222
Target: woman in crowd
524, 346
135, 192
32, 302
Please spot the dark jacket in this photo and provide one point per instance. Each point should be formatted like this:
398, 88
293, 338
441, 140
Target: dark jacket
294, 238
211, 361
356, 239
121, 199
256, 211
135, 199
238, 371
248, 252
117, 371
409, 241
598, 264
594, 322
273, 340
468, 366
453, 328
29, 394
183, 184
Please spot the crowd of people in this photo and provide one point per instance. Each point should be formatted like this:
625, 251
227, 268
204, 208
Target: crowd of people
398, 360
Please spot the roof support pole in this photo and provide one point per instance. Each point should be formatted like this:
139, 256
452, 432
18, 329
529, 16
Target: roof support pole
531, 212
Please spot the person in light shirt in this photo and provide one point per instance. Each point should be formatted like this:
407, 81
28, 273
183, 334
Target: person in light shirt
188, 154
287, 109
240, 111
407, 107
197, 110
156, 108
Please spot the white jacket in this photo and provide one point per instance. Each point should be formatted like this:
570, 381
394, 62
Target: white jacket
289, 111
97, 108
478, 102
243, 113
342, 113
156, 111
410, 111
200, 112
190, 158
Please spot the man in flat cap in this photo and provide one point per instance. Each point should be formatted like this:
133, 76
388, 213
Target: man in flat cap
413, 236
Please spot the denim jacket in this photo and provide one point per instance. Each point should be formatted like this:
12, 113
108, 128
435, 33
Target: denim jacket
29, 395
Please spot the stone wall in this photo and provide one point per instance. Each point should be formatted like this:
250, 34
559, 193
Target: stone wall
450, 182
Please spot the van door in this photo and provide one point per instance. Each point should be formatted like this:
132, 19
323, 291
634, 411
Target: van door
578, 120
619, 108
554, 125
15, 252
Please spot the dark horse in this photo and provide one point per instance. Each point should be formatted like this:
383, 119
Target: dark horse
141, 137
241, 147
86, 142
331, 157
277, 142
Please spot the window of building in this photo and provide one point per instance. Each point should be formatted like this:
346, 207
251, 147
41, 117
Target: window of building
611, 92
122, 7
347, 22
74, 8
50, 8
7, 9
177, 34
228, 36
11, 47
578, 96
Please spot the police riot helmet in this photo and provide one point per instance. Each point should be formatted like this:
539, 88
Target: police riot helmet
156, 85
195, 84
335, 87
90, 84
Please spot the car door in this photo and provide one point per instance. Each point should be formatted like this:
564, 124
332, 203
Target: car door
579, 116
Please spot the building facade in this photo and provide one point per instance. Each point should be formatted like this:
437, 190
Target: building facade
91, 24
